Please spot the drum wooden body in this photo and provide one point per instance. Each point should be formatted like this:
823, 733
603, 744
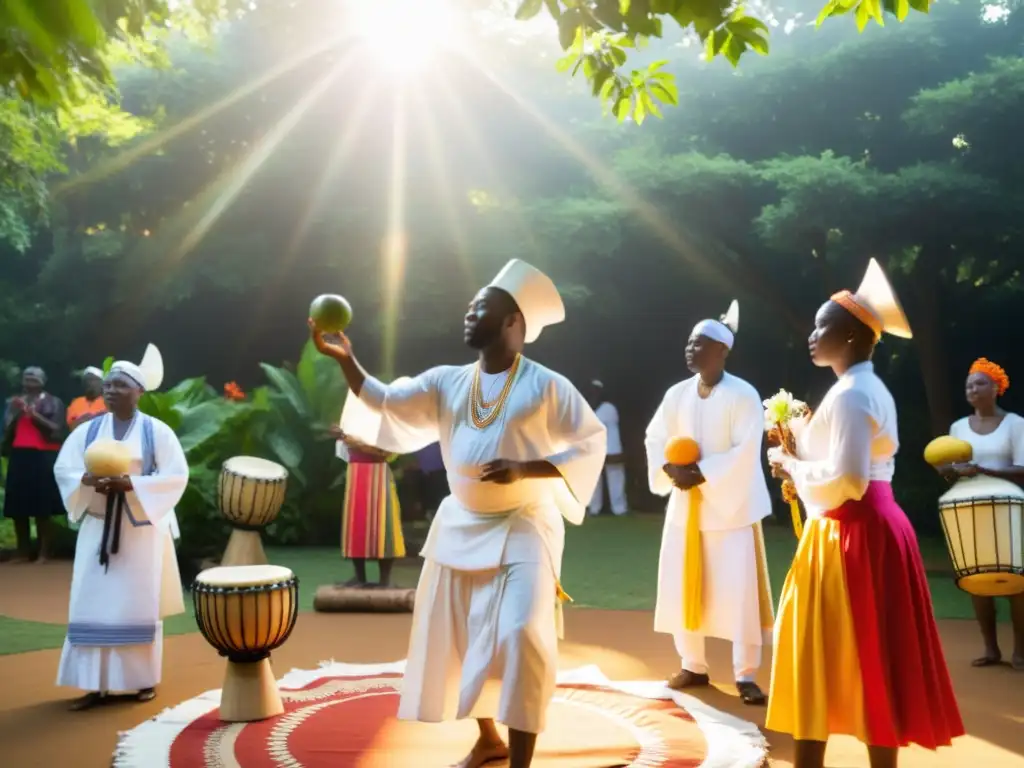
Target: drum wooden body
251, 492
245, 612
983, 519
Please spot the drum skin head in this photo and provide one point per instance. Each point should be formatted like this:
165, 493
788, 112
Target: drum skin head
244, 575
255, 467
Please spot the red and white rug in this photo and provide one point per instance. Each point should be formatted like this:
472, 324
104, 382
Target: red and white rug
343, 716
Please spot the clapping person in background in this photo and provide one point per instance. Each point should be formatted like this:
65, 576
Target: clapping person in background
90, 404
33, 429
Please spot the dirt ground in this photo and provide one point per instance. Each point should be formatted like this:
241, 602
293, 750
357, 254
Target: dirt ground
37, 730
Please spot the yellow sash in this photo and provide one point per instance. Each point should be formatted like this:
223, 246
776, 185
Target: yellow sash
693, 572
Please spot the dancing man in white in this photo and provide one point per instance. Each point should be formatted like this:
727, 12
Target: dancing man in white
724, 415
125, 578
522, 449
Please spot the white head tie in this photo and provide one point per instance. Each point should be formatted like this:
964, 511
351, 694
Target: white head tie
92, 370
149, 374
724, 330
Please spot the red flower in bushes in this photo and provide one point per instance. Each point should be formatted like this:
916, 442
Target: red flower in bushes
233, 392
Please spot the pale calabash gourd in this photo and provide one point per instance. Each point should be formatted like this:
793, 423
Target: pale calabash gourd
331, 313
947, 450
682, 451
108, 458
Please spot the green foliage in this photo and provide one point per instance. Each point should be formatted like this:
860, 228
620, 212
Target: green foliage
303, 405
210, 429
53, 50
599, 36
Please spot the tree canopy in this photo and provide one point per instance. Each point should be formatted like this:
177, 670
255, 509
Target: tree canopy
242, 170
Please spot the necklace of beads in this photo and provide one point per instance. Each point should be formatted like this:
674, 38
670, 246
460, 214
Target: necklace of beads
484, 414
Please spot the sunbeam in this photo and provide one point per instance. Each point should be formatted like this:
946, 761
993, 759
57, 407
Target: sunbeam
649, 214
435, 152
218, 196
395, 245
161, 138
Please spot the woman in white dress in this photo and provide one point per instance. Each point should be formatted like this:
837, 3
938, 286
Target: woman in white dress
997, 439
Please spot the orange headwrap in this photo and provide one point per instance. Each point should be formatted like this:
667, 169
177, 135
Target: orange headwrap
848, 301
995, 372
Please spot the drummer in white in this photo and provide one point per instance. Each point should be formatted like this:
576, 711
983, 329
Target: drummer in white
522, 449
125, 576
997, 440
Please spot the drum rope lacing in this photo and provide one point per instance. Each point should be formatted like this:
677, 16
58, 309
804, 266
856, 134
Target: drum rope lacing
218, 636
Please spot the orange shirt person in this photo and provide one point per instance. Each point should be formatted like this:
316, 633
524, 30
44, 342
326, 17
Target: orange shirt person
90, 405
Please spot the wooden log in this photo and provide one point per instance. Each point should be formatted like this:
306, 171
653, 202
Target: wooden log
331, 598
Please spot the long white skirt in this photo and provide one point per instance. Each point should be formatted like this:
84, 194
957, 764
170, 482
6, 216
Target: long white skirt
731, 591
123, 668
472, 626
141, 587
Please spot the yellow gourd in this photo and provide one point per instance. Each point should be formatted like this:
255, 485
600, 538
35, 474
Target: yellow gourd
947, 450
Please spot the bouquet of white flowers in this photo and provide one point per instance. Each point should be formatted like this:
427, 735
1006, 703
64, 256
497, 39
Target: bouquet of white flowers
780, 410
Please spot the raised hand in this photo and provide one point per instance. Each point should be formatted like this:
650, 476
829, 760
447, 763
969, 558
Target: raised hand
334, 345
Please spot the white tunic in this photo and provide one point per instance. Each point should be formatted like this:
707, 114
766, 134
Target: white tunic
114, 619
1001, 448
850, 440
485, 606
728, 426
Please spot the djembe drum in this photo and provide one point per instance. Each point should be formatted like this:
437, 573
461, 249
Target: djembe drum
983, 519
251, 492
245, 612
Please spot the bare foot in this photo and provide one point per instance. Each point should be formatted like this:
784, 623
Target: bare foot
484, 752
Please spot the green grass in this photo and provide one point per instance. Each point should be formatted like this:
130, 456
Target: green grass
609, 562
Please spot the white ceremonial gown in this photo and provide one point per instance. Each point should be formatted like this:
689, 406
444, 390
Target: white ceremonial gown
486, 601
115, 628
728, 425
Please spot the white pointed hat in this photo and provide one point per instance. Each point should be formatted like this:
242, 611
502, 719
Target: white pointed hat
535, 294
875, 304
149, 374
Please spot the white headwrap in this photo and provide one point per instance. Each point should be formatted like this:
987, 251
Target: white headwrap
149, 374
92, 370
724, 330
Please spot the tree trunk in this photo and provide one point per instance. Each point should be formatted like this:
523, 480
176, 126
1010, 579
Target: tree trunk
931, 348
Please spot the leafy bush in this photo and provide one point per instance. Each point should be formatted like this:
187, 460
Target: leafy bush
294, 431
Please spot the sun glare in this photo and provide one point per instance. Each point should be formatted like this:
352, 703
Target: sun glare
404, 34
